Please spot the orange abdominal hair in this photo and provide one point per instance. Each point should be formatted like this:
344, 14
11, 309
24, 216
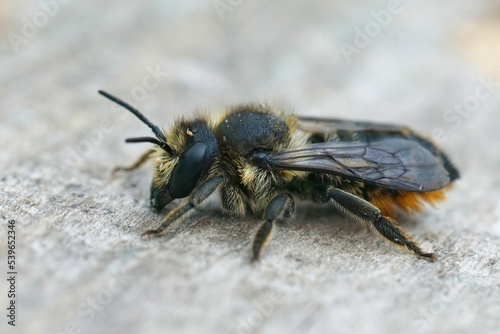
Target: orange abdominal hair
409, 201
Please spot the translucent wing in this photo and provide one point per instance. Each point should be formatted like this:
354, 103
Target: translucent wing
390, 162
325, 125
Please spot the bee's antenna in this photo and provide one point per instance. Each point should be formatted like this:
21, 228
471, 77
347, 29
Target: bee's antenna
136, 112
144, 140
162, 142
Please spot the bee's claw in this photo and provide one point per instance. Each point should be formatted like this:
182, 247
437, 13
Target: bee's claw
431, 257
150, 234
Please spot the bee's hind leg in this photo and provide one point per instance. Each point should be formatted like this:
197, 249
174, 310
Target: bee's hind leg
138, 163
361, 210
282, 206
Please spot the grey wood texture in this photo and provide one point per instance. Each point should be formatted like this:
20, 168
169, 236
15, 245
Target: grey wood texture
82, 267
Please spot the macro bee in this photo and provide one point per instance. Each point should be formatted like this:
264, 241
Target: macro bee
259, 159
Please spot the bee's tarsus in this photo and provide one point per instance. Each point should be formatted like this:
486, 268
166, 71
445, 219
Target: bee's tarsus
431, 257
282, 206
261, 238
150, 234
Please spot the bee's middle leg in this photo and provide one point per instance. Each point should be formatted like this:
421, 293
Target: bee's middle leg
282, 206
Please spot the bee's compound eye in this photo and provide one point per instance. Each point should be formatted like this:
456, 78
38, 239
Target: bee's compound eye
187, 173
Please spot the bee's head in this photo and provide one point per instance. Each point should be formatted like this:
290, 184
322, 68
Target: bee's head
183, 163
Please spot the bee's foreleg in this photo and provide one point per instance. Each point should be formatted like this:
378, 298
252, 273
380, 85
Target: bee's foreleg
282, 206
362, 210
138, 163
197, 196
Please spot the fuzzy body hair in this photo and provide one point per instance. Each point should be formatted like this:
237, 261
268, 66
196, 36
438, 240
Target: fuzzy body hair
248, 187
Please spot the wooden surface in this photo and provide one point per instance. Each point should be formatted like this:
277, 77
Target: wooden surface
82, 267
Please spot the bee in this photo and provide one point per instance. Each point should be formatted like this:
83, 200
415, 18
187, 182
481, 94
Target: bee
260, 159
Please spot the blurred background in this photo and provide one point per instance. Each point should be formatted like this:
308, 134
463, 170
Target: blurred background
433, 65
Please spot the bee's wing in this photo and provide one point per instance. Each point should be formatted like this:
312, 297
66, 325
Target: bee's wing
394, 163
325, 125
369, 132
